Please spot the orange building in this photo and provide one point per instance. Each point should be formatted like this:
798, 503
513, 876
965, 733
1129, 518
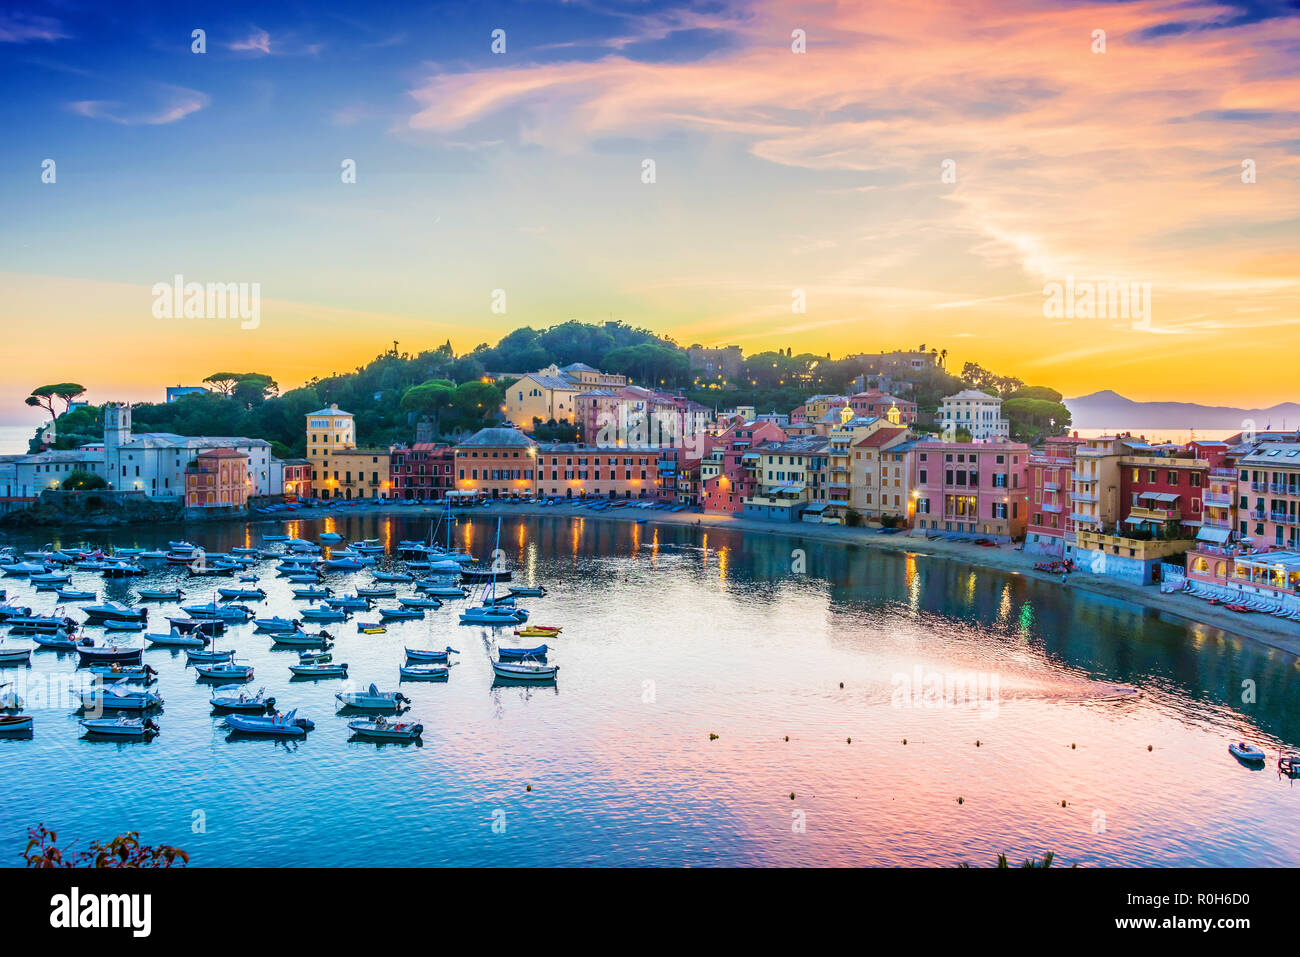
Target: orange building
496, 463
217, 478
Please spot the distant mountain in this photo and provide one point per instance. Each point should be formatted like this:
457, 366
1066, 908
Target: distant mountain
1110, 410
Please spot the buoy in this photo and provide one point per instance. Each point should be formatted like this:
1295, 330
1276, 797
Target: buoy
1062, 804
1149, 747
849, 740
905, 740
977, 744
961, 801
1071, 745
791, 795
841, 684
787, 737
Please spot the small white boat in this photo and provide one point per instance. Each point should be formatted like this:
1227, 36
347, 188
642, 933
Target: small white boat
329, 537
276, 624
319, 669
231, 594
177, 639
442, 590
428, 654
118, 698
120, 672
225, 671
385, 729
301, 639
372, 699
233, 698
1246, 753
121, 727
488, 615
159, 594
423, 672
400, 614
195, 656
68, 594
325, 614
416, 602
524, 671
14, 654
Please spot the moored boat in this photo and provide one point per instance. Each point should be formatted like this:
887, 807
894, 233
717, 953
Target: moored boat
537, 653
121, 727
423, 672
319, 669
1246, 753
177, 639
372, 699
159, 594
278, 725
118, 698
58, 640
16, 723
14, 654
70, 594
524, 671
400, 614
123, 654
225, 671
428, 654
233, 698
385, 729
123, 672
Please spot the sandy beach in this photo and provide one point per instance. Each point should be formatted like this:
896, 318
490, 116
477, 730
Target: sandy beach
1274, 632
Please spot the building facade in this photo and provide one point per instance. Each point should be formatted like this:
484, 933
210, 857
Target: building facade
496, 463
970, 488
977, 412
217, 479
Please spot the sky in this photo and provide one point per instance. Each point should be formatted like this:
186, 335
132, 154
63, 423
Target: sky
921, 173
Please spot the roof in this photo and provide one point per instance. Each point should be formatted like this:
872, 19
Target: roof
332, 410
1272, 454
971, 395
222, 453
879, 438
578, 367
551, 381
800, 445
497, 438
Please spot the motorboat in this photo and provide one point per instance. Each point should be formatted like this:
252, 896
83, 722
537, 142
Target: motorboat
369, 546
400, 577
121, 654
1246, 753
490, 615
325, 614
230, 594
123, 672
233, 698
347, 564
120, 569
372, 699
478, 575
225, 671
120, 625
329, 537
301, 639
178, 639
33, 623
199, 656
280, 725
428, 654
14, 654
384, 729
319, 669
214, 610
423, 672
277, 624
319, 657
499, 600
417, 602
382, 591
524, 671
528, 591
23, 569
442, 589
16, 724
537, 653
206, 626
57, 640
10, 612
349, 602
118, 698
121, 727
69, 594
400, 614
49, 579
312, 591
159, 594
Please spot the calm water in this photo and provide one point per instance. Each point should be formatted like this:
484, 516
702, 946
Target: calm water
672, 635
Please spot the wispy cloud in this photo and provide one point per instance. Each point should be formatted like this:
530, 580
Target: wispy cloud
20, 27
175, 104
259, 41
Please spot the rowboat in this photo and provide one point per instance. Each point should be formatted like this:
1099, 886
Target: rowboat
392, 577
415, 602
423, 672
16, 723
520, 654
122, 654
177, 639
301, 639
118, 698
497, 617
281, 725
1246, 753
59, 640
528, 591
319, 670
120, 625
68, 594
159, 594
50, 578
312, 591
524, 671
232, 699
121, 672
383, 591
400, 614
14, 654
225, 671
121, 727
423, 654
382, 729
372, 699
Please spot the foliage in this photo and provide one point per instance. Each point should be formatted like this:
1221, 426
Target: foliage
43, 397
527, 350
1032, 419
553, 431
852, 517
123, 851
81, 480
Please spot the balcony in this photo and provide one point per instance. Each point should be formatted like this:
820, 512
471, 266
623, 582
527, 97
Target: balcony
1084, 518
1283, 518
1213, 498
1223, 473
1051, 507
1155, 514
1083, 497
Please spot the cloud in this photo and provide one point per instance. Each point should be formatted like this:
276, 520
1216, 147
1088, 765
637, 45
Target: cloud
259, 41
175, 104
19, 27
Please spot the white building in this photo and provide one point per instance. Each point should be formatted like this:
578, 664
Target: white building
154, 462
26, 476
977, 412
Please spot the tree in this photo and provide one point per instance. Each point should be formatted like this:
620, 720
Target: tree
123, 851
44, 396
81, 480
430, 399
223, 382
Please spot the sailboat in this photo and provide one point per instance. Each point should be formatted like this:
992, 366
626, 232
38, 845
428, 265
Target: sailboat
489, 613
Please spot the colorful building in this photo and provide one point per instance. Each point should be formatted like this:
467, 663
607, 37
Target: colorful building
881, 405
293, 477
791, 478
728, 472
423, 471
497, 463
1268, 495
540, 397
1051, 479
881, 479
977, 412
338, 468
574, 470
217, 479
970, 489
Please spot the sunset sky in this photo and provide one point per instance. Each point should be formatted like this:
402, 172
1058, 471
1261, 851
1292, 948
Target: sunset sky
775, 171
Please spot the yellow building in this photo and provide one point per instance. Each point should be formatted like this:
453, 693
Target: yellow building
540, 396
338, 468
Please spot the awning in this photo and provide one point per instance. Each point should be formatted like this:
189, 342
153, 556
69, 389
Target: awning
751, 455
1160, 496
1213, 533
818, 507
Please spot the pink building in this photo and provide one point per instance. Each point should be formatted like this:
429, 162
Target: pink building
971, 488
728, 471
1049, 478
876, 404
637, 417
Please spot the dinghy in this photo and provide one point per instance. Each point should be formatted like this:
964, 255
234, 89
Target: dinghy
225, 671
325, 614
195, 656
383, 729
428, 654
372, 699
59, 641
1246, 753
280, 725
68, 594
232, 698
14, 654
16, 724
400, 614
121, 654
319, 669
423, 672
524, 671
121, 727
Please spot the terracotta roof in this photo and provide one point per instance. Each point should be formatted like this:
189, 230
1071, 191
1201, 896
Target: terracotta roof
878, 438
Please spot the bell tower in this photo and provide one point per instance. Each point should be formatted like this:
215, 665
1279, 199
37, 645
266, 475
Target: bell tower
117, 425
